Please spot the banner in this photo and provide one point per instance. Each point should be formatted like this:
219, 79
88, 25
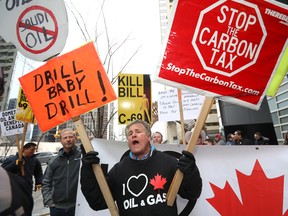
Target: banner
237, 180
223, 48
9, 126
67, 86
168, 105
134, 98
23, 109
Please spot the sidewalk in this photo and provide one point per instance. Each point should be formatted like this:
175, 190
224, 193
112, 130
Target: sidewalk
39, 209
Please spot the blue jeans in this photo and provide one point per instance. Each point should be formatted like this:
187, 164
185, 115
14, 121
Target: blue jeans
62, 212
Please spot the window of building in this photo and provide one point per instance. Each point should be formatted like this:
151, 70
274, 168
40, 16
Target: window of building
283, 104
284, 127
284, 120
283, 112
282, 96
283, 88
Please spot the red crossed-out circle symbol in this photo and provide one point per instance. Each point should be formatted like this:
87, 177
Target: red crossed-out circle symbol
229, 36
37, 29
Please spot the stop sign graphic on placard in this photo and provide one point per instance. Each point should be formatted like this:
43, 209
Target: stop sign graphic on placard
37, 35
228, 38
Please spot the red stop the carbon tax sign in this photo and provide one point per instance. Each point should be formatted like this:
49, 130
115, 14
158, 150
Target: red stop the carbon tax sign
37, 29
227, 40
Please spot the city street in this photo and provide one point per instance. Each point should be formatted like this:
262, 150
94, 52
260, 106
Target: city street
39, 209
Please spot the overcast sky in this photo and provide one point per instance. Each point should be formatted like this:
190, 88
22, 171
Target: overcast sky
138, 20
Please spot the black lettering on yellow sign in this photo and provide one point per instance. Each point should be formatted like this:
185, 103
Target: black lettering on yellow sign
129, 81
128, 86
133, 102
129, 92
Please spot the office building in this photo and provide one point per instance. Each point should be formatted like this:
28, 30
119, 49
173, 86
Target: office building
8, 54
279, 110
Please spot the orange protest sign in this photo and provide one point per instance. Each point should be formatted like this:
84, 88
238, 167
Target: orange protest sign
67, 86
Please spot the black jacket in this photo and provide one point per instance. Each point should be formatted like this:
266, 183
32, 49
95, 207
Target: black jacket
15, 197
60, 181
32, 167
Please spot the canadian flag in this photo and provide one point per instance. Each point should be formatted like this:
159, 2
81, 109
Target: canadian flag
237, 180
243, 180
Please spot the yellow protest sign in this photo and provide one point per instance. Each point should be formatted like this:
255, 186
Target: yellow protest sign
134, 98
24, 111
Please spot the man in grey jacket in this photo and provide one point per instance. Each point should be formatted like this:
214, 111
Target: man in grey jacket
59, 186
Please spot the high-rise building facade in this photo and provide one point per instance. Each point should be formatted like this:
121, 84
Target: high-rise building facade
279, 110
8, 54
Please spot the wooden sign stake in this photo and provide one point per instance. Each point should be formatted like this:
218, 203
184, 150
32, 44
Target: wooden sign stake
178, 177
20, 147
181, 115
96, 168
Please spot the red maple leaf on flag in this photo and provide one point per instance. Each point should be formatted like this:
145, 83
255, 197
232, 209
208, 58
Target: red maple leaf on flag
158, 182
260, 195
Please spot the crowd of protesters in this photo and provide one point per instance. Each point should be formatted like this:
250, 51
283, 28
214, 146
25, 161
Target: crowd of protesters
236, 138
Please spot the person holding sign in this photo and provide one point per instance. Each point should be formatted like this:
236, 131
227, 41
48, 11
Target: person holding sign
140, 181
61, 177
32, 166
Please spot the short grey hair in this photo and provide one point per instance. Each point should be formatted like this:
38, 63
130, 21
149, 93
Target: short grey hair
144, 123
67, 129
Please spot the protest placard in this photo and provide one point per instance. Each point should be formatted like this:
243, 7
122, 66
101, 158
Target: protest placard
67, 86
37, 28
9, 126
24, 111
134, 98
168, 105
223, 50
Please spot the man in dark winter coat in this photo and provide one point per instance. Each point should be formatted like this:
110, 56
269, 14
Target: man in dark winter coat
15, 196
61, 177
32, 166
259, 139
240, 140
139, 183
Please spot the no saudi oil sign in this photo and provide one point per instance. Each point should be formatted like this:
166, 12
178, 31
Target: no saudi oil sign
67, 86
38, 28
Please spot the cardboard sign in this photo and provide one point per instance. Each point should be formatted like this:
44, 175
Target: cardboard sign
37, 28
24, 111
67, 86
168, 105
134, 98
9, 126
223, 48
